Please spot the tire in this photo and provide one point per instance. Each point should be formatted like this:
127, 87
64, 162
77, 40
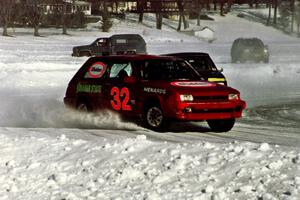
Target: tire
221, 125
154, 119
83, 107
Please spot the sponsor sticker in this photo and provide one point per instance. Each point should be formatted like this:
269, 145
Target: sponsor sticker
88, 88
97, 70
193, 84
155, 90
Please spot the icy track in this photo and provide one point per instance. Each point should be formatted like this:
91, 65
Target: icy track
48, 152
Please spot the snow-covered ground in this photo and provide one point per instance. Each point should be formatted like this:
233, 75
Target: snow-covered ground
48, 152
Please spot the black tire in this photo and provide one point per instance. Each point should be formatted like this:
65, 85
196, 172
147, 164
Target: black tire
266, 60
221, 125
154, 119
83, 107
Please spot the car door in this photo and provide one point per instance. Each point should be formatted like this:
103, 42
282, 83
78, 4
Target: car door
120, 88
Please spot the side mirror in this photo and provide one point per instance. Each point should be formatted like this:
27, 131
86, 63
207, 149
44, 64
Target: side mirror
220, 69
130, 79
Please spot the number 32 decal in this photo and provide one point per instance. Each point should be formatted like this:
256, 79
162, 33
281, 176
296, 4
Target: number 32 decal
117, 103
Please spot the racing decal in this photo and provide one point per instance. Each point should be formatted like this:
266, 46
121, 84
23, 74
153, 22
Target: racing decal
117, 103
155, 90
88, 88
96, 70
193, 84
216, 79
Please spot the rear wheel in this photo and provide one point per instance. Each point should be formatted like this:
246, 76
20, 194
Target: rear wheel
83, 107
221, 125
154, 118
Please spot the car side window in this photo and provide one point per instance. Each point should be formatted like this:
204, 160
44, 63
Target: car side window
95, 71
120, 70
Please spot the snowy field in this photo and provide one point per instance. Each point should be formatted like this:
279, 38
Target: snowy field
48, 152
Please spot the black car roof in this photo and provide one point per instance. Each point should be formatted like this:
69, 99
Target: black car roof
186, 54
137, 57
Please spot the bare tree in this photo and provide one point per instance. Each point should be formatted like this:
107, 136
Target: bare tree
34, 12
6, 9
297, 17
270, 10
293, 15
181, 8
275, 4
140, 6
106, 20
64, 18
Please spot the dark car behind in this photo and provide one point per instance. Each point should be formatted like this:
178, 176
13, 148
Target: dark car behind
253, 49
114, 45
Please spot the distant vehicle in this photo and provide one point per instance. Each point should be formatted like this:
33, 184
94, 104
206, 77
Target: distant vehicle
254, 49
156, 89
114, 45
204, 65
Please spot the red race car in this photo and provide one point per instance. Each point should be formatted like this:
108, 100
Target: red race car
157, 89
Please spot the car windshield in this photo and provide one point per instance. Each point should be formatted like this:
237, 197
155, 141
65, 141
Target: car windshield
201, 63
168, 70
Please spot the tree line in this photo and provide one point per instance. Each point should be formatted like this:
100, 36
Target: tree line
32, 13
284, 14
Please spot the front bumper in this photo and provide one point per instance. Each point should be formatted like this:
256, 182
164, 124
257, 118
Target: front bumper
210, 110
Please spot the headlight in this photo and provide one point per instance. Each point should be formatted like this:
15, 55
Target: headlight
233, 96
186, 97
265, 50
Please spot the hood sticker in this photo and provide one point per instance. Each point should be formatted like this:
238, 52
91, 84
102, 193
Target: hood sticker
193, 84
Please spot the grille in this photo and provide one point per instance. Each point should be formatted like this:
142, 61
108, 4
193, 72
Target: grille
211, 98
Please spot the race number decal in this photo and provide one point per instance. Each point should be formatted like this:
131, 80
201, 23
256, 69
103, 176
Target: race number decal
117, 103
96, 70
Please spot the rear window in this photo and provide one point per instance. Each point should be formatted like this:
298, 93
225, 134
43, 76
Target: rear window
252, 42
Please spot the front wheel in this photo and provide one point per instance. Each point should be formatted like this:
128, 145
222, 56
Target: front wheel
221, 125
154, 118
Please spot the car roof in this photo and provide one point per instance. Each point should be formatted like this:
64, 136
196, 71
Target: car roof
251, 38
186, 54
136, 57
121, 35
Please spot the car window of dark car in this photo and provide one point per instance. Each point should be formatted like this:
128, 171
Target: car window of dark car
167, 70
96, 70
102, 42
120, 70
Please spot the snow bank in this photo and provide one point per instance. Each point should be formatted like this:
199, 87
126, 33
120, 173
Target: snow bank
66, 166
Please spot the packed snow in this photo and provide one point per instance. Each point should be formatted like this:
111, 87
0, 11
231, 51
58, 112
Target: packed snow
50, 152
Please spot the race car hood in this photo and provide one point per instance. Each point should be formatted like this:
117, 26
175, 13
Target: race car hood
188, 87
192, 87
